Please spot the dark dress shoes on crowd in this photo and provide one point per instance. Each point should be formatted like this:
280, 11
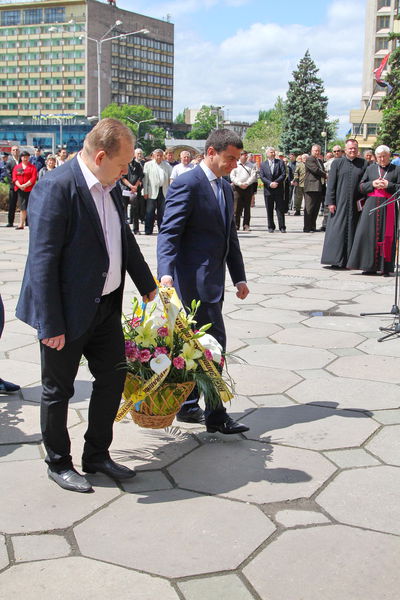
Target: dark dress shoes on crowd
190, 415
228, 427
69, 479
8, 387
108, 467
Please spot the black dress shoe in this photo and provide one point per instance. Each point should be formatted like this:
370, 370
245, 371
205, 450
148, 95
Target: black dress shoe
196, 415
9, 225
228, 427
322, 229
69, 479
282, 230
108, 467
270, 230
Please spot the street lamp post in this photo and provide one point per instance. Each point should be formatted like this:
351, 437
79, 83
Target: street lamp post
324, 135
99, 44
138, 123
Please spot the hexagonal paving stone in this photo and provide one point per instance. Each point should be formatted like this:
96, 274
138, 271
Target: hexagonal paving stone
318, 293
374, 368
76, 577
347, 393
311, 427
250, 380
300, 304
39, 547
221, 587
249, 329
22, 508
252, 471
272, 315
20, 421
316, 338
344, 284
386, 445
174, 533
344, 323
284, 356
372, 346
21, 372
331, 562
139, 448
366, 497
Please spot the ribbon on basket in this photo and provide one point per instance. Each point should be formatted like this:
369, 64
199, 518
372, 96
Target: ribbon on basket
177, 322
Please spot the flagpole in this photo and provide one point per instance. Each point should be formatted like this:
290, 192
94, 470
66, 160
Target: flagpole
365, 112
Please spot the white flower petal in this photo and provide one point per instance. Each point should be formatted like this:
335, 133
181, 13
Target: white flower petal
160, 363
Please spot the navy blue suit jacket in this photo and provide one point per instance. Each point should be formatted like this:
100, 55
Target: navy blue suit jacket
194, 245
278, 175
68, 260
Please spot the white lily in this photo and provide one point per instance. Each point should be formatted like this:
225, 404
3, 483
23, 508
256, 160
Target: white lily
210, 343
160, 363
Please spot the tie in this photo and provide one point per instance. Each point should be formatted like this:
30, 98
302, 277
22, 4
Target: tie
271, 166
220, 198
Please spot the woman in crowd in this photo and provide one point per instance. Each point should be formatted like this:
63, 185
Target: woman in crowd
24, 177
374, 244
51, 162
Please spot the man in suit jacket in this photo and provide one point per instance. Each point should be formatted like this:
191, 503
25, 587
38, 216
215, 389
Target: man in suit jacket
314, 182
273, 174
157, 173
12, 160
79, 250
198, 239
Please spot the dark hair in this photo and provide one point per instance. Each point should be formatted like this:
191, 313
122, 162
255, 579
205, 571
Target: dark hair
220, 139
24, 153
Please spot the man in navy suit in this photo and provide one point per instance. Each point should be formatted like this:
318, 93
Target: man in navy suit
197, 240
273, 174
79, 250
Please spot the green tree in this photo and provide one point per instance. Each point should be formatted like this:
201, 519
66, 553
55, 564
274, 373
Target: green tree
204, 123
389, 130
150, 137
180, 117
267, 130
305, 113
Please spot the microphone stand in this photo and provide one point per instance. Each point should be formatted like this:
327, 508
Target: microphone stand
394, 329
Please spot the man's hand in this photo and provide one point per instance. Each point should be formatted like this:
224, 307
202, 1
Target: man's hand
56, 343
145, 196
244, 185
332, 208
150, 296
242, 290
167, 281
274, 184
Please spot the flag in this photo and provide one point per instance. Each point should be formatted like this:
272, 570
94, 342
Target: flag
378, 74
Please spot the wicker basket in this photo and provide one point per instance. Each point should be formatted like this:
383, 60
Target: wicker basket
159, 408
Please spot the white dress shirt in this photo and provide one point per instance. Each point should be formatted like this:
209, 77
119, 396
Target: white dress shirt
111, 224
179, 169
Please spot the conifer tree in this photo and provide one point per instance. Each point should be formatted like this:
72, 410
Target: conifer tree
305, 114
389, 130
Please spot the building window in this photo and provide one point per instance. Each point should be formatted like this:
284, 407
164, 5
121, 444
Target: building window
54, 15
33, 16
383, 22
383, 3
382, 43
11, 17
371, 128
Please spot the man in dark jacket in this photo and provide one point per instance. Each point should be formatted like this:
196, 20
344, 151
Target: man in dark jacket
314, 181
273, 175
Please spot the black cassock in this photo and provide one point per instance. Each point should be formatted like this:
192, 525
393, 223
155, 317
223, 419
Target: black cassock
375, 240
342, 191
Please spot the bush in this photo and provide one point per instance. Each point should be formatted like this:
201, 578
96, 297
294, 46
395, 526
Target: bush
4, 189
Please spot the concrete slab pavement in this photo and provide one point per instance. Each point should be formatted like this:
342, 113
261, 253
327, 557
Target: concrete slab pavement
303, 507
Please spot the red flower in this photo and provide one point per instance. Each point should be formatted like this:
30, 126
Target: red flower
144, 355
160, 350
162, 331
179, 362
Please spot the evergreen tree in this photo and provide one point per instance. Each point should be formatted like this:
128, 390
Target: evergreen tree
305, 113
389, 130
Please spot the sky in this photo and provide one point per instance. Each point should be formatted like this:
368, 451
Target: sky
240, 54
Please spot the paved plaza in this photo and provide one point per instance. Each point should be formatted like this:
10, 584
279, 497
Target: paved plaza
305, 506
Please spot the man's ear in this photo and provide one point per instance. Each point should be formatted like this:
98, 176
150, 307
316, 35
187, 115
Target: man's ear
98, 159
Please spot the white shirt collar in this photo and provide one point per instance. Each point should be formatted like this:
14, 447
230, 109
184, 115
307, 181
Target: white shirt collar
211, 176
90, 177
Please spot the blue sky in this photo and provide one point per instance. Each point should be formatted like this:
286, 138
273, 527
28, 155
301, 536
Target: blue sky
240, 54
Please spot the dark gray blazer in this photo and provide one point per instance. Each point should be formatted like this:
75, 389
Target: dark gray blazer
68, 260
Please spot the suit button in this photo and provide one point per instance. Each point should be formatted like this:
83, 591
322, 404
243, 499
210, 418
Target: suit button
104, 274
97, 300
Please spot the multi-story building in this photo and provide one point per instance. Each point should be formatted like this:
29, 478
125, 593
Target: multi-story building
51, 51
379, 22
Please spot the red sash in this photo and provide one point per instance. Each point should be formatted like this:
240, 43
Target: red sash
385, 247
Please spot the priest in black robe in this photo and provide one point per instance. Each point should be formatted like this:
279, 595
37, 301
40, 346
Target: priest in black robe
341, 198
374, 245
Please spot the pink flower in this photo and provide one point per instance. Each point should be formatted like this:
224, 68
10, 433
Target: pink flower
178, 362
135, 322
160, 350
144, 355
222, 361
208, 354
131, 350
162, 331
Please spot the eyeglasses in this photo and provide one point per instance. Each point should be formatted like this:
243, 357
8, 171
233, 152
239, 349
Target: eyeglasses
336, 150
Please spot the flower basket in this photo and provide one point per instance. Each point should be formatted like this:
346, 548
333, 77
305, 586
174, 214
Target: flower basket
158, 409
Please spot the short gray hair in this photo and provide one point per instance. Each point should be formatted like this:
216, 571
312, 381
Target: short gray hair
382, 148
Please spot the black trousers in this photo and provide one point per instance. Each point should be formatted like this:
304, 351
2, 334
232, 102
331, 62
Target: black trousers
12, 205
103, 346
312, 202
276, 201
209, 313
242, 199
153, 204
